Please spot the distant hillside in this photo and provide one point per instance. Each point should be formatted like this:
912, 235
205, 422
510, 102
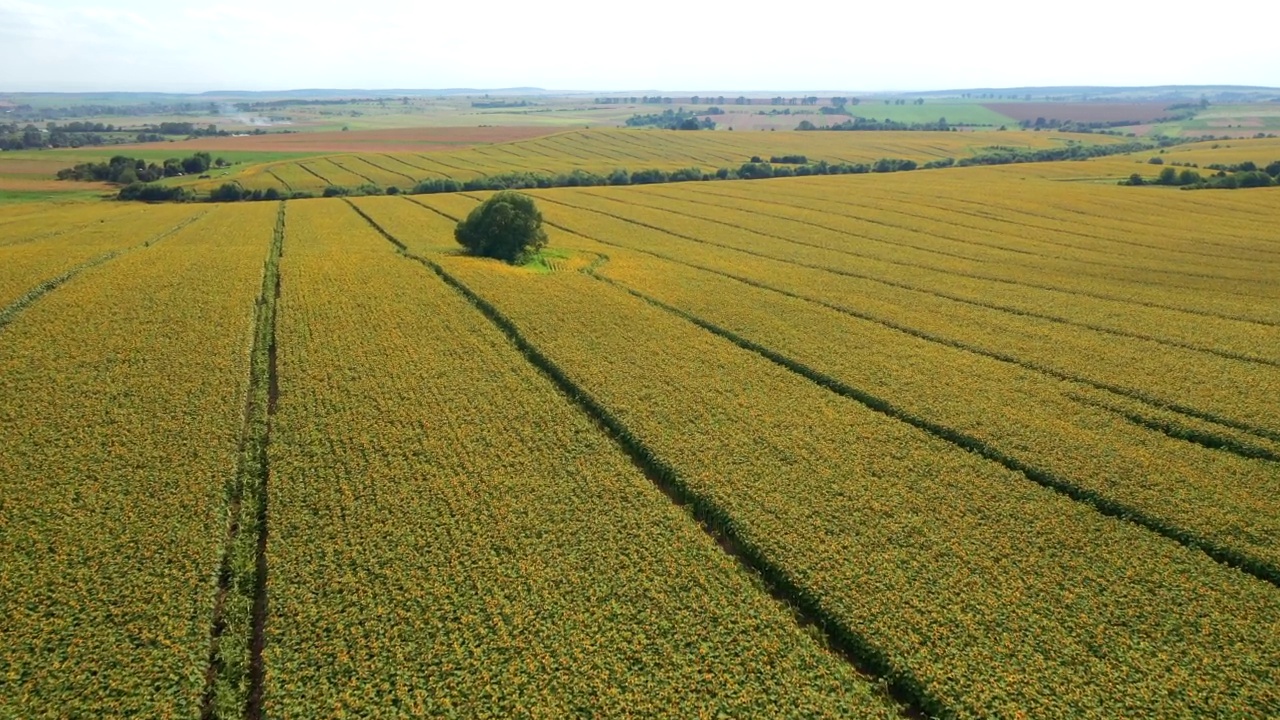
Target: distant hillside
1095, 93
312, 93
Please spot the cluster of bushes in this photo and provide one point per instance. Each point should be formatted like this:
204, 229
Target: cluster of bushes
1247, 166
1086, 126
675, 120
186, 129
70, 135
227, 192
760, 170
861, 123
232, 192
150, 192
126, 170
999, 155
785, 159
576, 178
1242, 175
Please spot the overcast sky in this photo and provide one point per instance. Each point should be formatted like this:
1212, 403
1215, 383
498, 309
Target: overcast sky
197, 45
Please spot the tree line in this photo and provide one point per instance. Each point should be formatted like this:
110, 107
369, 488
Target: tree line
679, 119
756, 169
123, 170
1228, 177
870, 124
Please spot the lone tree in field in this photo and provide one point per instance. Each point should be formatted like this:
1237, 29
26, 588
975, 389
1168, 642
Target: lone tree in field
507, 226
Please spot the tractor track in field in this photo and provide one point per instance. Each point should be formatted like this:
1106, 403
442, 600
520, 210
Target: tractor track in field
367, 161
451, 166
13, 309
322, 178
280, 180
1056, 319
1055, 288
958, 240
899, 203
235, 673
411, 166
1130, 393
902, 687
1260, 569
360, 175
1096, 220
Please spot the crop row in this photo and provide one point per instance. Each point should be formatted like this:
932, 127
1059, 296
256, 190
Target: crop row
1010, 264
990, 283
1070, 247
985, 592
449, 536
26, 222
25, 265
123, 395
603, 150
1205, 384
1167, 472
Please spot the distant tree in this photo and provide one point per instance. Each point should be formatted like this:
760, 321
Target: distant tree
507, 226
197, 163
227, 192
1253, 179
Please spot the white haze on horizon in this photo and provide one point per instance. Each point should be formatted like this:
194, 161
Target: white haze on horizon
167, 46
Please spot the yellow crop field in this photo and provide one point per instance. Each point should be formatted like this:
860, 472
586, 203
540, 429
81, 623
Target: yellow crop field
122, 402
964, 442
603, 151
428, 482
836, 494
46, 256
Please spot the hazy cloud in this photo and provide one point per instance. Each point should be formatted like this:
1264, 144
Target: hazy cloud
662, 44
